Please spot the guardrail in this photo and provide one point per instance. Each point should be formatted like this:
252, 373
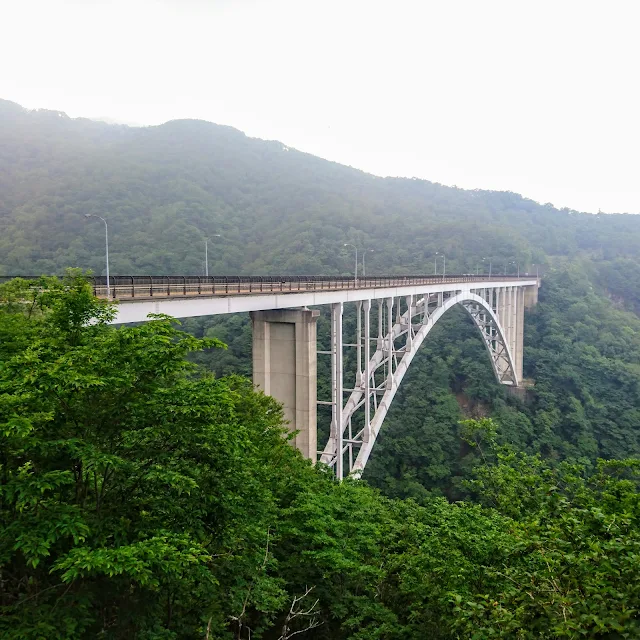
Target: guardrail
141, 287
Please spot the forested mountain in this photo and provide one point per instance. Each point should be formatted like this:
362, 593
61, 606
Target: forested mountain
279, 210
164, 188
140, 496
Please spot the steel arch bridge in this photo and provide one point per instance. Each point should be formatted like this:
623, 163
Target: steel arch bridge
285, 338
376, 385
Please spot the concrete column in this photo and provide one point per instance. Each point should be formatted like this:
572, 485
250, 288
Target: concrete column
337, 427
506, 315
389, 342
409, 343
509, 319
285, 367
520, 295
425, 315
359, 343
530, 296
492, 305
367, 372
513, 325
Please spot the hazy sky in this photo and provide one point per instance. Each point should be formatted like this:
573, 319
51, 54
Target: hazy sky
539, 97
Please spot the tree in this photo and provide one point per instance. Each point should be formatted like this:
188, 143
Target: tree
136, 491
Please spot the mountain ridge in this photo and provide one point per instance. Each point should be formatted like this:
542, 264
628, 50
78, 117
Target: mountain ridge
187, 122
163, 188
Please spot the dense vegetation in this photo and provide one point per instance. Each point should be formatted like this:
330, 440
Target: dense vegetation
278, 210
142, 497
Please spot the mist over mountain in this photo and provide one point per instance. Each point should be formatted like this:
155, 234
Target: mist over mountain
163, 188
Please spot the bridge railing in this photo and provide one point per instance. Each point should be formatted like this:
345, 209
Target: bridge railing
141, 287
122, 287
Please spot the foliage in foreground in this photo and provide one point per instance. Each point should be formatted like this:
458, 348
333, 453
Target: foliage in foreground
143, 498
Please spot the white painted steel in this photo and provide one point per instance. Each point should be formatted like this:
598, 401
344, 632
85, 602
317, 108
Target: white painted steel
376, 386
494, 338
188, 307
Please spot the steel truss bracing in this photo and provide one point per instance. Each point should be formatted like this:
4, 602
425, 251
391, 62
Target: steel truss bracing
402, 325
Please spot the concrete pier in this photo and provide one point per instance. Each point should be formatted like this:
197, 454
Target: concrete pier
285, 367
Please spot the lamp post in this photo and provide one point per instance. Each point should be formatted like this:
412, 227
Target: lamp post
355, 275
364, 273
106, 246
206, 253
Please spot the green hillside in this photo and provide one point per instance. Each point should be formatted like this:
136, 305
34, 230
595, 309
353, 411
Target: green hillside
278, 210
143, 497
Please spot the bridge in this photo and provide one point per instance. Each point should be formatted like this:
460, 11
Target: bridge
394, 315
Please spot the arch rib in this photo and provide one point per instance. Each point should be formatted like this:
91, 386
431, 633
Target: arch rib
386, 358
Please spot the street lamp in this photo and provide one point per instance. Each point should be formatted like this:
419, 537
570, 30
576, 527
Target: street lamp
206, 253
355, 276
483, 259
364, 273
106, 246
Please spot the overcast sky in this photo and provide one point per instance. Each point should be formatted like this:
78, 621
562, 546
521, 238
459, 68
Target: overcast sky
538, 97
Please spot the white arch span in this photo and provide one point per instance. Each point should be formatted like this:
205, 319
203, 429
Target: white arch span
389, 364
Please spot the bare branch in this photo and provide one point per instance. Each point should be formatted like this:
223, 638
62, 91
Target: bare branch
298, 612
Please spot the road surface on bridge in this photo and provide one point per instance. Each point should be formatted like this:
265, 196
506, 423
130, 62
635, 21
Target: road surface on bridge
143, 287
189, 296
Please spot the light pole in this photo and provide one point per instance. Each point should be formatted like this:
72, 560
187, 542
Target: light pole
106, 246
206, 253
355, 275
483, 259
364, 273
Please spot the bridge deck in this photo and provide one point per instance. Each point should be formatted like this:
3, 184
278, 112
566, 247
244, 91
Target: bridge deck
158, 287
181, 297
